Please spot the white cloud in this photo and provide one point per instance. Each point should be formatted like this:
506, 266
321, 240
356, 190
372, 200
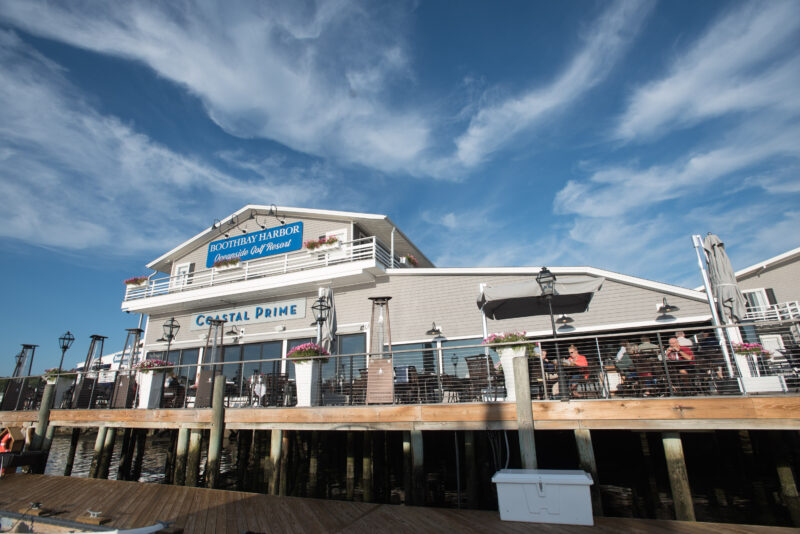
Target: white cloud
311, 78
744, 62
497, 123
72, 178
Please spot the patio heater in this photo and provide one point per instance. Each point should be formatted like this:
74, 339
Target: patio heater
83, 394
380, 376
17, 390
547, 282
124, 392
321, 309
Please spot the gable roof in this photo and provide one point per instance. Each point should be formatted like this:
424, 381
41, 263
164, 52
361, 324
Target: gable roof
786, 257
374, 224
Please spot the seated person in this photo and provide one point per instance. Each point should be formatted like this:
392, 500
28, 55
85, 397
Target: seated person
623, 359
680, 357
683, 340
576, 360
646, 348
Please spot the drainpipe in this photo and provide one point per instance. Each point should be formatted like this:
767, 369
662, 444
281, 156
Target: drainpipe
392, 253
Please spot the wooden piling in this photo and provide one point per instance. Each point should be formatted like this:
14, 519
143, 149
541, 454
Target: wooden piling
522, 387
587, 462
98, 451
44, 417
678, 477
243, 441
258, 462
141, 443
217, 432
73, 446
762, 511
313, 465
169, 458
193, 457
274, 464
783, 466
108, 451
48, 438
366, 468
407, 468
181, 450
286, 449
471, 468
126, 454
418, 468
350, 468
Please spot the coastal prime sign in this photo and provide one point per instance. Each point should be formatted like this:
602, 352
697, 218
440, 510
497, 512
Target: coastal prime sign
245, 315
257, 245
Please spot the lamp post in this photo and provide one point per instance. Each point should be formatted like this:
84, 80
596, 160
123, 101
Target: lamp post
321, 309
171, 328
547, 283
454, 361
65, 342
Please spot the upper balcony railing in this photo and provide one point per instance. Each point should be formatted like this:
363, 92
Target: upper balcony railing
774, 312
368, 248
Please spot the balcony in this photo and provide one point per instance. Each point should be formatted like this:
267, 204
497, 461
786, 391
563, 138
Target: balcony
350, 262
774, 312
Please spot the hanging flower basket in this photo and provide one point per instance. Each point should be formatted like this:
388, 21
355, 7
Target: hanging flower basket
136, 281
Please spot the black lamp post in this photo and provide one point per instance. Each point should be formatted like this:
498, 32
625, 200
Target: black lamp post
64, 342
171, 328
454, 361
321, 309
547, 282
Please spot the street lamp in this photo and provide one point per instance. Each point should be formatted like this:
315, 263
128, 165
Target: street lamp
171, 328
64, 342
321, 309
547, 283
454, 361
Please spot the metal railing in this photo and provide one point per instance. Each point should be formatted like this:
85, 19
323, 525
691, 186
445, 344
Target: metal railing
774, 312
368, 248
653, 364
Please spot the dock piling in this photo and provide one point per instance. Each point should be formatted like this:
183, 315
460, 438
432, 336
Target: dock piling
73, 446
98, 451
193, 456
587, 462
678, 477
108, 451
217, 432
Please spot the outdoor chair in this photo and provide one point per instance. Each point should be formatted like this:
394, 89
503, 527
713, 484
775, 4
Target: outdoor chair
406, 386
483, 379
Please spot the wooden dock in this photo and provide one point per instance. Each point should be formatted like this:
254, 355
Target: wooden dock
198, 510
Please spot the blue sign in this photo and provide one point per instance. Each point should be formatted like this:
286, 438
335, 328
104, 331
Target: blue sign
267, 242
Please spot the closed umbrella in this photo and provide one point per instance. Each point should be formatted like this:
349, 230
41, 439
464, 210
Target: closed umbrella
730, 301
328, 339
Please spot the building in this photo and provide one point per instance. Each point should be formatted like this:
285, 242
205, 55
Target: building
772, 287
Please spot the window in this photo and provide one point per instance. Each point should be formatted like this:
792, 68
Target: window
182, 275
758, 300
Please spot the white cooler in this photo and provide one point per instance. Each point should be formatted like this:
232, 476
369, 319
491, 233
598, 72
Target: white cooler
544, 496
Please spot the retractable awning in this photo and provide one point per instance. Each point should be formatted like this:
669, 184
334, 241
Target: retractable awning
524, 298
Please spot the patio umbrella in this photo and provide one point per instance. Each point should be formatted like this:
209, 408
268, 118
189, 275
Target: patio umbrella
730, 302
524, 298
328, 339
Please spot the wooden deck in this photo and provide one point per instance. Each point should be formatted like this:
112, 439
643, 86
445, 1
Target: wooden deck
687, 413
197, 510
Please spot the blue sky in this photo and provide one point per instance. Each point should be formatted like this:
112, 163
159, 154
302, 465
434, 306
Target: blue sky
513, 133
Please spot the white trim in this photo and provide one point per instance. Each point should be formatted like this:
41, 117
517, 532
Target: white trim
753, 269
532, 271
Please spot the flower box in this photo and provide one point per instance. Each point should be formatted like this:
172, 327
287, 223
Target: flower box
507, 355
307, 373
230, 267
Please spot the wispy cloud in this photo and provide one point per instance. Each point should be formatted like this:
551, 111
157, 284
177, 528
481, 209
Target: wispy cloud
499, 122
73, 178
744, 62
312, 78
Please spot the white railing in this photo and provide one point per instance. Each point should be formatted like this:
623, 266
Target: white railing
368, 248
774, 312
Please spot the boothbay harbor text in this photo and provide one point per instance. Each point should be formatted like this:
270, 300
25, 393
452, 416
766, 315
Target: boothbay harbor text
257, 245
240, 316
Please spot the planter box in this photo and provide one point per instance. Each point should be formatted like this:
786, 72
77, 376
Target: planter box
307, 381
544, 496
150, 386
325, 248
228, 267
137, 286
507, 356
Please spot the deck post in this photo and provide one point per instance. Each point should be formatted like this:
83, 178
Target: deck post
274, 463
678, 477
108, 451
169, 459
73, 446
182, 448
418, 468
313, 464
44, 417
522, 387
243, 440
193, 456
471, 467
350, 470
286, 450
587, 462
407, 467
141, 443
258, 462
783, 465
366, 467
48, 438
217, 431
98, 451
762, 511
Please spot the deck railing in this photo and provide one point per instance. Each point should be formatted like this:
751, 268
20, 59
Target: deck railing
774, 312
652, 366
368, 248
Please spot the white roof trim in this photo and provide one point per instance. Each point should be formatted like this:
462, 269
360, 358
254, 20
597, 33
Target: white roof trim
768, 263
592, 271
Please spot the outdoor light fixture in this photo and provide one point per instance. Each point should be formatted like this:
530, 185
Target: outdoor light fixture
321, 309
64, 342
547, 283
171, 328
665, 308
434, 331
563, 320
234, 331
273, 210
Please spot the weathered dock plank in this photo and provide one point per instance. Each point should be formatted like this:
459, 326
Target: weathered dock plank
198, 510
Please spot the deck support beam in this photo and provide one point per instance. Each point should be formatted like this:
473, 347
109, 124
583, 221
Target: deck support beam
274, 462
181, 450
471, 467
73, 446
678, 477
366, 468
108, 451
125, 455
217, 431
313, 465
141, 443
587, 462
350, 467
44, 417
783, 466
522, 388
418, 468
98, 451
286, 450
193, 456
